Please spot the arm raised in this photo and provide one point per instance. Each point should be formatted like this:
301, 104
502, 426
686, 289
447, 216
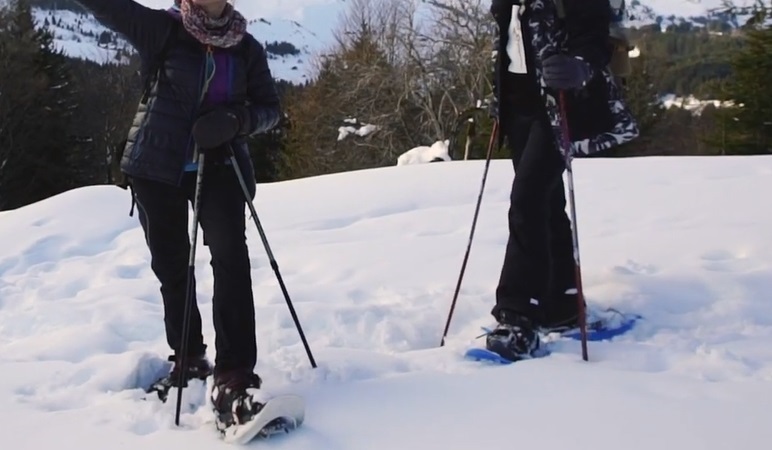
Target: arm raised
144, 28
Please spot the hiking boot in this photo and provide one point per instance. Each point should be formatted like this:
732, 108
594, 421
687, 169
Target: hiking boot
236, 398
197, 368
514, 338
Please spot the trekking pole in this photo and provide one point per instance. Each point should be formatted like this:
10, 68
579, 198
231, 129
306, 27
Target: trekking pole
470, 133
190, 296
574, 226
494, 137
274, 264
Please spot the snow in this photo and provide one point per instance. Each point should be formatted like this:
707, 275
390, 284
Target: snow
425, 154
291, 9
675, 12
355, 127
693, 104
309, 25
683, 8
297, 68
371, 262
76, 35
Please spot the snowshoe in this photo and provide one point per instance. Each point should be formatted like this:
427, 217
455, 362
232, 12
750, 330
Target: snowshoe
244, 411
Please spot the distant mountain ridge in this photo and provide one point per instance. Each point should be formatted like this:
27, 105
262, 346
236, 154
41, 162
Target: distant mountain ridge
289, 45
680, 13
292, 45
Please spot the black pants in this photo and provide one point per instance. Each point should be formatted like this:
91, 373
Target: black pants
163, 214
538, 263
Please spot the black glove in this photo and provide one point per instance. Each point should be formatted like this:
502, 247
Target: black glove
565, 72
220, 125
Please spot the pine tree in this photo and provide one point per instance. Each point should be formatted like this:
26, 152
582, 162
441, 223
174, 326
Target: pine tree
35, 111
645, 105
751, 91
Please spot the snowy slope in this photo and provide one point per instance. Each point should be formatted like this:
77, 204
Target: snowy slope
370, 259
675, 12
297, 67
77, 35
309, 29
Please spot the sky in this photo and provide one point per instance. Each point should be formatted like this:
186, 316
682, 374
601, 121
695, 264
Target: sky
252, 9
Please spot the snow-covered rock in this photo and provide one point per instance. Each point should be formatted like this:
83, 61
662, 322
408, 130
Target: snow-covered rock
425, 154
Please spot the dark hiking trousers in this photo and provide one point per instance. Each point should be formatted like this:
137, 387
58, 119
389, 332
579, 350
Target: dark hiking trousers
163, 214
538, 263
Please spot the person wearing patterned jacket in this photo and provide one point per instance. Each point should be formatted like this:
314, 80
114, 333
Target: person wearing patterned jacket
544, 47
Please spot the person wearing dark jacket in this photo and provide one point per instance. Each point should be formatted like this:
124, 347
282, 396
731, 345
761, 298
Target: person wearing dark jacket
537, 286
214, 88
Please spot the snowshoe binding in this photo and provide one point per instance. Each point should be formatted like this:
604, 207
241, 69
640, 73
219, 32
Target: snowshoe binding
514, 338
198, 368
244, 411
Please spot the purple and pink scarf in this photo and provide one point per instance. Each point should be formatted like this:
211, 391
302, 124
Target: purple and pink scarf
226, 31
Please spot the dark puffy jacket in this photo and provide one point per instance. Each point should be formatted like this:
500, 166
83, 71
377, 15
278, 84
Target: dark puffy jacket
160, 144
597, 117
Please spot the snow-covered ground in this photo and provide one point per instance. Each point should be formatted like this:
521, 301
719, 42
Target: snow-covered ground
436, 152
371, 259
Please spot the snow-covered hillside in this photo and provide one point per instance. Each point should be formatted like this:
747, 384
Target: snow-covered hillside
298, 65
676, 12
79, 35
370, 259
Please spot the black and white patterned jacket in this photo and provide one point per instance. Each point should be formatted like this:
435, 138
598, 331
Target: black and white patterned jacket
597, 116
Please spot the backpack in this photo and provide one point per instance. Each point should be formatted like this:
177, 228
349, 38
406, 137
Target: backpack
150, 77
618, 37
153, 71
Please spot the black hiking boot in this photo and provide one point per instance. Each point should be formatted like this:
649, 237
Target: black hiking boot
514, 338
236, 398
197, 368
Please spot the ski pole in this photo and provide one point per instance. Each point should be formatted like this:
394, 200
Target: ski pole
190, 296
574, 226
494, 137
274, 264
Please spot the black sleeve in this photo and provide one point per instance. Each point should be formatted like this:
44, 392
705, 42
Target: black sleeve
501, 10
587, 25
264, 105
143, 27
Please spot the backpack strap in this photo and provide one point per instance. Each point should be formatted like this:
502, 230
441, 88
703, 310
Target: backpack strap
153, 72
151, 76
